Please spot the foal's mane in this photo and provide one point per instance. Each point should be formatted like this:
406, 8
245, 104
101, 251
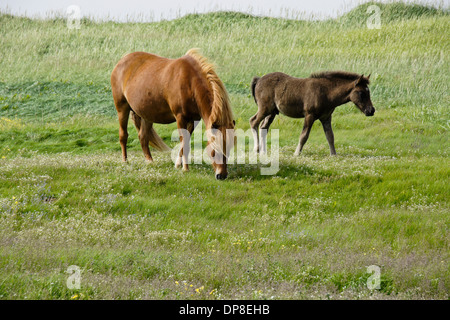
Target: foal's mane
339, 75
221, 113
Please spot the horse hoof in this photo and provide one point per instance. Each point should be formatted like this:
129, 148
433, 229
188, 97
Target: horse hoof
220, 176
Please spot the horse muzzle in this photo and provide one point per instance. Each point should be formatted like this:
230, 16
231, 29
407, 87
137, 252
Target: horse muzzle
370, 111
221, 176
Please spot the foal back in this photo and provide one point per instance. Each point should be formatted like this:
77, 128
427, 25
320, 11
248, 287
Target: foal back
294, 97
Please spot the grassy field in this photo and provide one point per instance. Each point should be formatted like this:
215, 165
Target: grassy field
140, 231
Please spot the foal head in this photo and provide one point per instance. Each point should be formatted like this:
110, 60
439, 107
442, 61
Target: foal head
360, 96
220, 142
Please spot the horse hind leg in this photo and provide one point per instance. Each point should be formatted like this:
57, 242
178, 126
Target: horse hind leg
144, 136
123, 112
136, 120
254, 125
263, 130
267, 110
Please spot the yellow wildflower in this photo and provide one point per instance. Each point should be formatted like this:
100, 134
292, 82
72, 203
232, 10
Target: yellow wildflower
199, 289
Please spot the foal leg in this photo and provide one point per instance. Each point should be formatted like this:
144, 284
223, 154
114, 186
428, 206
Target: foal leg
263, 132
254, 125
326, 123
307, 125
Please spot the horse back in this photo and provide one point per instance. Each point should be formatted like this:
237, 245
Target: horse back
155, 87
135, 67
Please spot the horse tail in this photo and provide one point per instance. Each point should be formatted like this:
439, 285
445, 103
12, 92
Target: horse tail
254, 82
154, 140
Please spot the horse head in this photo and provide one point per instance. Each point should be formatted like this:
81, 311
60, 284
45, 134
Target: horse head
221, 140
360, 96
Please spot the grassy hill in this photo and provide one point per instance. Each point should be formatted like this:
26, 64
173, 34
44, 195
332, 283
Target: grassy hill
150, 231
392, 12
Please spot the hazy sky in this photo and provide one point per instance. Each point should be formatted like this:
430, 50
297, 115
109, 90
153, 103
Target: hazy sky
153, 10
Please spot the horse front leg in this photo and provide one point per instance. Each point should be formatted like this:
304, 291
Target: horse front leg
307, 125
184, 130
326, 123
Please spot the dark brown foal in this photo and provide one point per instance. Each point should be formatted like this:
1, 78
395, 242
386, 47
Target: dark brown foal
313, 98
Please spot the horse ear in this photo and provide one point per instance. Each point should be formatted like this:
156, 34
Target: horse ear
359, 80
368, 77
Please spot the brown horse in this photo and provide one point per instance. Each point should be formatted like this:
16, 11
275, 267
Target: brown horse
312, 98
162, 90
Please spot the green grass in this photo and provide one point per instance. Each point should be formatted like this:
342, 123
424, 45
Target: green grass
140, 231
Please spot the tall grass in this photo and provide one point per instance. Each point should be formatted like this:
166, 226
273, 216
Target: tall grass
406, 57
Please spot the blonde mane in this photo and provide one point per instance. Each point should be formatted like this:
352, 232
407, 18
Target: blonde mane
221, 113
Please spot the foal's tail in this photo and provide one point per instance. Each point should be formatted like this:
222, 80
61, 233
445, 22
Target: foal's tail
154, 140
254, 81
